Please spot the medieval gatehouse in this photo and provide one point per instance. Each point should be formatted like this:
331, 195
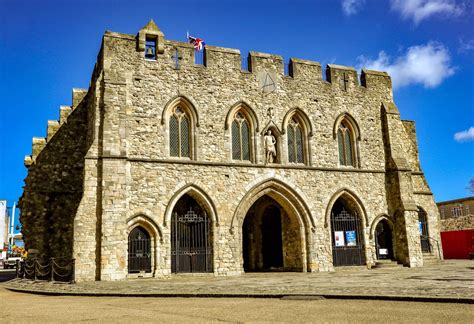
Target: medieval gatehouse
164, 166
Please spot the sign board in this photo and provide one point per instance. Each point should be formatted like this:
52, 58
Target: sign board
339, 238
383, 251
351, 238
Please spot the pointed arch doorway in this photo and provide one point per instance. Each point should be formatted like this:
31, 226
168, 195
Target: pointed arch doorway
191, 237
271, 238
383, 241
347, 234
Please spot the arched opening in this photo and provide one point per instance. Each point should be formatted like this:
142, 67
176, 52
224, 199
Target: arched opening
383, 241
182, 121
423, 228
347, 134
191, 237
297, 127
139, 251
347, 234
271, 238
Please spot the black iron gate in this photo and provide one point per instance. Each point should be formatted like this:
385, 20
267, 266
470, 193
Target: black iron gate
139, 251
424, 234
347, 242
191, 249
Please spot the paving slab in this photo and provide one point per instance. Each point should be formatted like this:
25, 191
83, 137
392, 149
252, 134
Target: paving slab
446, 281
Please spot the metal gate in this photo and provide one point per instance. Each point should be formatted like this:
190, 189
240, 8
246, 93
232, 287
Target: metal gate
347, 243
139, 251
191, 249
424, 234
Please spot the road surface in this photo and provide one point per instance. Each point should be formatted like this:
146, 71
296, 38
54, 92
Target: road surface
20, 307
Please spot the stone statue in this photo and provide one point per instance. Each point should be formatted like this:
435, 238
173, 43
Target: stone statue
270, 151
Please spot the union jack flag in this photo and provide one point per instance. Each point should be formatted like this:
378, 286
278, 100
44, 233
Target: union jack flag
197, 43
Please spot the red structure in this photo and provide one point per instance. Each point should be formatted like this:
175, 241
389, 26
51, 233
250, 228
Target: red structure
458, 244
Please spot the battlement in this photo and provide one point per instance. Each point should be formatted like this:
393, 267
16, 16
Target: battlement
39, 143
182, 55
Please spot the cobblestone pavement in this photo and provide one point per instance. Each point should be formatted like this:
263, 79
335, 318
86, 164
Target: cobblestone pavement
450, 280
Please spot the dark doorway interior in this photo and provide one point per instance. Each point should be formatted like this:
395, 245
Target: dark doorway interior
272, 248
383, 240
264, 235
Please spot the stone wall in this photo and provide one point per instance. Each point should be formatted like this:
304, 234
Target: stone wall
54, 185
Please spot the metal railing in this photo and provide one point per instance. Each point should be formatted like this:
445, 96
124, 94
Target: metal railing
54, 269
437, 244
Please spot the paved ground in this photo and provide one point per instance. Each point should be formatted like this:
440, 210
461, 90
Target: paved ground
26, 308
449, 281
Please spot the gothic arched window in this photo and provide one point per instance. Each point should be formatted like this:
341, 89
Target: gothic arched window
295, 141
180, 134
345, 143
240, 138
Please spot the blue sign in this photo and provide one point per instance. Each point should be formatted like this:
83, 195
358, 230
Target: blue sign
351, 238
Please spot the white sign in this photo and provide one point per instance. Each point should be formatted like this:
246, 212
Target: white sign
383, 251
339, 238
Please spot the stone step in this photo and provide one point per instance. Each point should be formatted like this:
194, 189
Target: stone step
429, 258
387, 264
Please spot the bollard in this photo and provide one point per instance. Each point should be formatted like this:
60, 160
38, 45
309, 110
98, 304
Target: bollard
52, 269
73, 273
34, 268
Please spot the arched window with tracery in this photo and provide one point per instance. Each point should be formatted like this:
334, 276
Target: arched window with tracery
180, 133
345, 141
295, 141
240, 137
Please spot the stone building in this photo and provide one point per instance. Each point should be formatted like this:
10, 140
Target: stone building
167, 166
457, 214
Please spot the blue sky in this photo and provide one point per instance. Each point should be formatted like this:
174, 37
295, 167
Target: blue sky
49, 47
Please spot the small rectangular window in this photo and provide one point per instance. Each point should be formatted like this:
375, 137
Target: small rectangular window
456, 211
150, 48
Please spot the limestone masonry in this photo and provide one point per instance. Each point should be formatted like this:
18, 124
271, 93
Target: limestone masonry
161, 167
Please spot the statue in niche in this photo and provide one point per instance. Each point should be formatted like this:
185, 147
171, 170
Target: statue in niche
270, 150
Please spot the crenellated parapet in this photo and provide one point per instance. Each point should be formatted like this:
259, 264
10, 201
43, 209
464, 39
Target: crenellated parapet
39, 143
182, 55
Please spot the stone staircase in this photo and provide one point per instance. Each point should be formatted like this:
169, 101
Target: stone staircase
387, 264
429, 258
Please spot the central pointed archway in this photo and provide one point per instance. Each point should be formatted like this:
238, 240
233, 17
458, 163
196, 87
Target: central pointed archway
285, 217
265, 242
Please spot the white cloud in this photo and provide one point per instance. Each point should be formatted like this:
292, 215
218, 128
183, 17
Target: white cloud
464, 136
351, 7
465, 46
427, 64
418, 10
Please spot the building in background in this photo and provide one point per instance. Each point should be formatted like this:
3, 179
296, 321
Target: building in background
457, 228
3, 230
